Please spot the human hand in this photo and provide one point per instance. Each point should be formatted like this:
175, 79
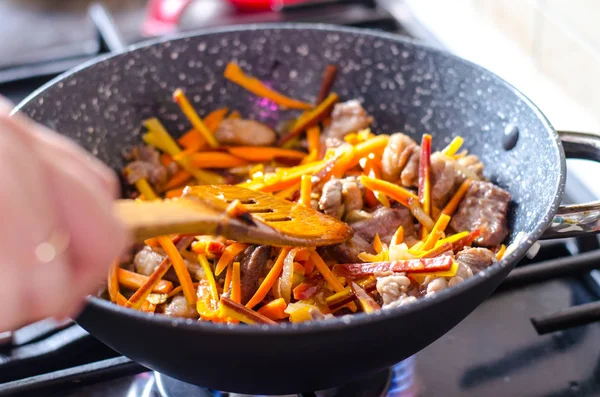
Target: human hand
58, 233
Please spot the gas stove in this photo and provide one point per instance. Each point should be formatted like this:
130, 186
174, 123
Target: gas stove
535, 336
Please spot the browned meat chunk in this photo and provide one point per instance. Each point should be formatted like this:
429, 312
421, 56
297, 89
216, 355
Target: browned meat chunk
398, 151
409, 177
347, 117
484, 207
444, 178
178, 307
252, 264
147, 260
331, 201
352, 195
243, 132
146, 165
385, 222
473, 164
347, 252
476, 259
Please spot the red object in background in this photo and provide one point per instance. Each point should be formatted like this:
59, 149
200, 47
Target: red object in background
163, 16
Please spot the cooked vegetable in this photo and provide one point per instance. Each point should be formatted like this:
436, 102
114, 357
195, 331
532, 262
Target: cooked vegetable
356, 270
190, 113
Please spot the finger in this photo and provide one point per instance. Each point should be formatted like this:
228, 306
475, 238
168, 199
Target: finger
54, 145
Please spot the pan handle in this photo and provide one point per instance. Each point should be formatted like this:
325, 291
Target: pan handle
577, 219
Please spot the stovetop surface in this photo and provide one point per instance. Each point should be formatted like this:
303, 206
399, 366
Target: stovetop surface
494, 352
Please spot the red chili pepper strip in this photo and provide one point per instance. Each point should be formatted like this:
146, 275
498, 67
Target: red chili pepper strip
466, 241
428, 265
425, 176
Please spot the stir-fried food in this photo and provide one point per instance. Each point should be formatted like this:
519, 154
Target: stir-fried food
423, 220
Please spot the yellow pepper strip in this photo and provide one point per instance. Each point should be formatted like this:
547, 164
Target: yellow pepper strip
414, 250
501, 252
398, 237
180, 269
452, 239
436, 232
382, 199
328, 275
313, 136
420, 277
155, 141
375, 145
305, 190
236, 289
268, 282
192, 115
235, 74
228, 255
284, 179
453, 146
377, 245
311, 118
399, 194
210, 277
145, 189
452, 205
168, 145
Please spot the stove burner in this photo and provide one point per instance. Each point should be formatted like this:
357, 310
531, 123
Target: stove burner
376, 385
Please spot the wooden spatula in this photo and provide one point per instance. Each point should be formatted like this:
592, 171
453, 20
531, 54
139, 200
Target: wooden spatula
203, 210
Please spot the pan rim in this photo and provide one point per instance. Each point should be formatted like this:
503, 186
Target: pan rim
354, 320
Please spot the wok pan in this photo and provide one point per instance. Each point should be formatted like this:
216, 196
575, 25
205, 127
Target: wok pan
406, 87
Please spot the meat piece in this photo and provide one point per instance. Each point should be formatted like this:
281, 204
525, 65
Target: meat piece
347, 117
243, 132
473, 164
317, 315
476, 259
352, 196
178, 307
409, 177
385, 222
145, 165
484, 207
147, 260
331, 201
347, 252
395, 290
444, 179
436, 285
398, 151
252, 264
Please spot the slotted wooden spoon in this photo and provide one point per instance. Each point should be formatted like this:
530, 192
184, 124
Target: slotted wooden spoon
203, 210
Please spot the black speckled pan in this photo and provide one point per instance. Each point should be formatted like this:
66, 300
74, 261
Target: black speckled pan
406, 87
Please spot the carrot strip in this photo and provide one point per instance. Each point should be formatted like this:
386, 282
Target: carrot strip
377, 245
177, 290
356, 270
228, 277
425, 178
134, 281
178, 179
235, 74
438, 250
148, 307
286, 178
452, 205
236, 288
165, 159
399, 194
192, 115
375, 146
215, 160
327, 82
145, 189
212, 120
138, 298
453, 146
113, 282
313, 136
275, 310
398, 236
268, 282
288, 192
242, 313
305, 190
260, 154
311, 118
156, 129
466, 241
436, 232
328, 275
174, 192
228, 255
180, 269
501, 252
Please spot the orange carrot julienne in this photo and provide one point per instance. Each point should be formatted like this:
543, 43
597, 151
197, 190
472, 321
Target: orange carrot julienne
192, 115
268, 282
148, 307
113, 282
174, 192
133, 280
180, 269
166, 159
228, 255
193, 139
501, 252
305, 190
178, 179
275, 310
236, 288
313, 136
215, 160
377, 245
228, 277
374, 145
452, 205
235, 74
177, 290
260, 154
328, 275
399, 194
398, 236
